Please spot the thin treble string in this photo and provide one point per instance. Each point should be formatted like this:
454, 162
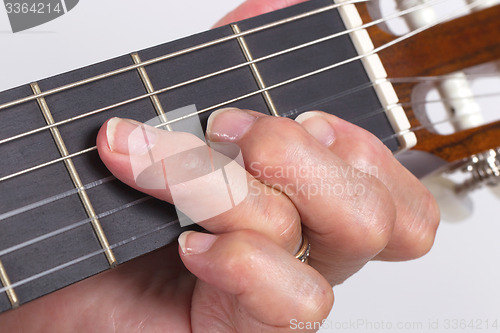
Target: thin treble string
453, 120
220, 72
439, 78
43, 165
382, 110
72, 226
88, 256
180, 53
54, 198
375, 51
126, 206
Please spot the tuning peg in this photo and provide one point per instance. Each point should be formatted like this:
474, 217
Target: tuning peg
455, 207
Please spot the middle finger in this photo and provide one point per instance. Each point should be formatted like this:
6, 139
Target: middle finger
348, 214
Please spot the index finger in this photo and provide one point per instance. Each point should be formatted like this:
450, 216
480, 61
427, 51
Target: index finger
174, 166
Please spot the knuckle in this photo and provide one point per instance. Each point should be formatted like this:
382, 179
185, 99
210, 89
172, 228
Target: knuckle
287, 137
317, 305
370, 156
375, 213
285, 223
422, 234
415, 235
242, 250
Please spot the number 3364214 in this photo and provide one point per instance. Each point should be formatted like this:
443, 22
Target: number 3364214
34, 8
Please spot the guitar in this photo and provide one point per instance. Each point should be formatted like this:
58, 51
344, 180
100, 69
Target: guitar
98, 234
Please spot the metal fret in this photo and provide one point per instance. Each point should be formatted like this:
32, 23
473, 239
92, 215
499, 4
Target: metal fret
89, 209
150, 89
255, 70
11, 294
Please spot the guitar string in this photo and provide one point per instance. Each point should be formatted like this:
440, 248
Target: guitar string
223, 71
101, 251
289, 113
257, 92
434, 79
375, 51
88, 256
54, 198
383, 110
71, 227
181, 52
139, 201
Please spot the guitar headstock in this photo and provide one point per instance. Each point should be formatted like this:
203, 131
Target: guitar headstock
439, 55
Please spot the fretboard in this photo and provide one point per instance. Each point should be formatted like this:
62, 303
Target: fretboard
63, 217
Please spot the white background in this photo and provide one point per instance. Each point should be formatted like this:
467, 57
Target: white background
457, 280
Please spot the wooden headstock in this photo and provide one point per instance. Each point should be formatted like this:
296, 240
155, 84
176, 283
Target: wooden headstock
446, 48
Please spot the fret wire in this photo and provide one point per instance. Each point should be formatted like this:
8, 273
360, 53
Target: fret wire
255, 71
179, 53
226, 70
84, 198
150, 89
7, 287
374, 51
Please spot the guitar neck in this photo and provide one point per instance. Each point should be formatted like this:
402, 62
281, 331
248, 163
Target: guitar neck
63, 217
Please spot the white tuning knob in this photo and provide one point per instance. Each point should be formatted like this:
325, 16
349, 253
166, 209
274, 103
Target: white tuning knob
454, 207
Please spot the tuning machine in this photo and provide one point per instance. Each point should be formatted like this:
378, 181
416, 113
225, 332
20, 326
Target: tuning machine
483, 170
451, 186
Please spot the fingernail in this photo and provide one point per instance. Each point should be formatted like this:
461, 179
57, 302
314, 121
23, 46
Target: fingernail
192, 242
229, 125
318, 127
129, 136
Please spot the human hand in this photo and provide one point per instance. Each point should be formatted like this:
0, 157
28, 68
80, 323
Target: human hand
249, 279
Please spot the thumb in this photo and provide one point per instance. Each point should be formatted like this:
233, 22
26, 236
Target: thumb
252, 8
268, 286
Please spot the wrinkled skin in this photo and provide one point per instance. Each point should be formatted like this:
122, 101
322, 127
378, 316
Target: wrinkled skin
245, 277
